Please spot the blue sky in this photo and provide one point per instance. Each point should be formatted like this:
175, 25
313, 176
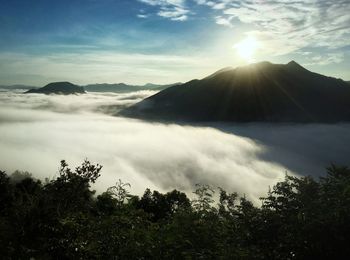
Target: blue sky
164, 41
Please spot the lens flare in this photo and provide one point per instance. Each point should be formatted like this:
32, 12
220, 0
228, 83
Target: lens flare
247, 48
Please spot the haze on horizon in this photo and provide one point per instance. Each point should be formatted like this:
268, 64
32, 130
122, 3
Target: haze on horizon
166, 41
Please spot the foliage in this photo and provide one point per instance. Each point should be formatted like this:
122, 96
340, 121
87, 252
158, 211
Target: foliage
300, 218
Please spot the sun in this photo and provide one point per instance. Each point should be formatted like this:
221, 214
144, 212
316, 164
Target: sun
247, 48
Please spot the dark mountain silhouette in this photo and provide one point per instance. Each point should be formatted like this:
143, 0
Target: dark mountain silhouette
122, 88
63, 88
258, 92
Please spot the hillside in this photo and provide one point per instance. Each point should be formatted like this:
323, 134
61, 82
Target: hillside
123, 88
258, 92
64, 88
17, 87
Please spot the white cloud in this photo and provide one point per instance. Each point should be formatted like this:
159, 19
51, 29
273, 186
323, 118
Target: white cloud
164, 2
173, 13
326, 59
215, 4
282, 26
174, 10
38, 130
223, 21
142, 16
286, 26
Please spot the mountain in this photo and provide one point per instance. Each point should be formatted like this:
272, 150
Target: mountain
122, 88
63, 88
104, 87
258, 92
15, 87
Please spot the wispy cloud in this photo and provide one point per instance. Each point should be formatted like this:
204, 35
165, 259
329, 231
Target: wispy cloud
174, 10
174, 13
285, 26
282, 26
325, 59
223, 21
216, 4
142, 16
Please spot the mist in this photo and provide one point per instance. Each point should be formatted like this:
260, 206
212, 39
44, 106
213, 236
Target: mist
37, 131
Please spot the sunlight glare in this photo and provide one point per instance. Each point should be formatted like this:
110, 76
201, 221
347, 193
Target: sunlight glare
246, 48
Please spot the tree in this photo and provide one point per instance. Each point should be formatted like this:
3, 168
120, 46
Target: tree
300, 218
161, 206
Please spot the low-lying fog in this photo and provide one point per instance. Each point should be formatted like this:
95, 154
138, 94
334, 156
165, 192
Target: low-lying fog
37, 131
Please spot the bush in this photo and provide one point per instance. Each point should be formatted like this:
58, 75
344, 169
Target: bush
300, 218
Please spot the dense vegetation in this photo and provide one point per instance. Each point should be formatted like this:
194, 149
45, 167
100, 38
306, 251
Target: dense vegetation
300, 218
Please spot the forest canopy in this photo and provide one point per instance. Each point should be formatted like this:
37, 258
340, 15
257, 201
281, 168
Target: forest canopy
63, 218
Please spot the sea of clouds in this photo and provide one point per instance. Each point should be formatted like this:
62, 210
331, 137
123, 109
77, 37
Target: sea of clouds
37, 131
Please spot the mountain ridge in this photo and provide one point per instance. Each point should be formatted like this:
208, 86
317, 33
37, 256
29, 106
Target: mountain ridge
258, 92
60, 88
122, 87
101, 87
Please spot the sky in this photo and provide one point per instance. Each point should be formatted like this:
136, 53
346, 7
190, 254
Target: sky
166, 41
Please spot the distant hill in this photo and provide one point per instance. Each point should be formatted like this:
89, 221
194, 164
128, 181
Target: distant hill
104, 87
259, 92
122, 88
63, 88
14, 87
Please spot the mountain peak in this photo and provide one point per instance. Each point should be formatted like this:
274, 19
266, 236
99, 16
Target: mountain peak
293, 63
60, 82
254, 93
295, 66
63, 87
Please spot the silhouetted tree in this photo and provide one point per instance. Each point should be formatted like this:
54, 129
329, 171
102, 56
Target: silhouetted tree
300, 218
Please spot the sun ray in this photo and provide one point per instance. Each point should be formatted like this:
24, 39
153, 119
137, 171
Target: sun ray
247, 48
